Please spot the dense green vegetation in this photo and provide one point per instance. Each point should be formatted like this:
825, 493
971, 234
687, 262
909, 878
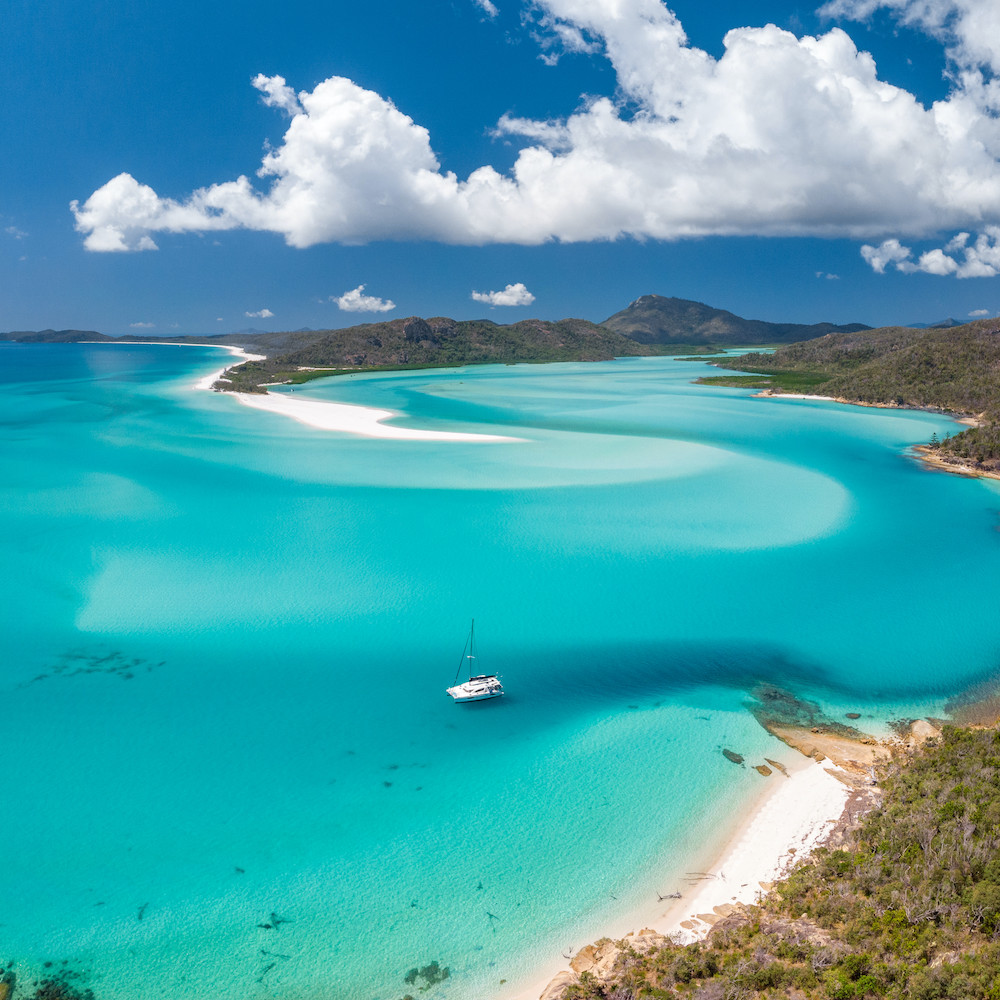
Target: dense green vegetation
54, 336
419, 343
954, 370
785, 381
907, 907
655, 319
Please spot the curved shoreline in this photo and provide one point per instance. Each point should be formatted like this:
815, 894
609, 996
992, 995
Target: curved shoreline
924, 453
791, 817
829, 789
348, 418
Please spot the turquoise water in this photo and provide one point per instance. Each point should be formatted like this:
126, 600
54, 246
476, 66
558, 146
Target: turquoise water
228, 637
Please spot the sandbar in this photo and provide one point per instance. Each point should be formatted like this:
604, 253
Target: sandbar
209, 380
366, 421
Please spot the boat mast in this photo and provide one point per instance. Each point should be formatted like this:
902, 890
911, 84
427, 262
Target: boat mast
470, 646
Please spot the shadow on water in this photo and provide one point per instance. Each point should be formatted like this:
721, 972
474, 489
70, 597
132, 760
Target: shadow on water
643, 675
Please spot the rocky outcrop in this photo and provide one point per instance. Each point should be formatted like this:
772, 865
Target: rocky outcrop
794, 932
602, 959
417, 330
556, 990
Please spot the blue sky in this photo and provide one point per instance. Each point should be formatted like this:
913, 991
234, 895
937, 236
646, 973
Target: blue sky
558, 158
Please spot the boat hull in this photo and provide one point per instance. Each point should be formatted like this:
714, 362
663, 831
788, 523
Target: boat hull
475, 697
480, 688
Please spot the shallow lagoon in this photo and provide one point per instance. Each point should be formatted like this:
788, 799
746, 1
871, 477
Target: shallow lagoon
230, 635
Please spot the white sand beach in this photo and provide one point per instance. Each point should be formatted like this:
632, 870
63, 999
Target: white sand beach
787, 824
365, 421
770, 394
792, 818
209, 380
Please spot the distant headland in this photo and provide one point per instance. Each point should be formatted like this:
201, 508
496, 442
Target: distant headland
651, 325
944, 367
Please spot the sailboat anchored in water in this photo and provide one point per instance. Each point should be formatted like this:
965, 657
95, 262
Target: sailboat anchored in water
478, 687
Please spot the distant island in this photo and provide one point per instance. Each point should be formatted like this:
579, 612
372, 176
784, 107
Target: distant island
943, 367
952, 370
422, 343
651, 325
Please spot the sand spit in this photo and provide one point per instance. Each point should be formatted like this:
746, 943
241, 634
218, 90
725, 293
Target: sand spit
209, 380
365, 421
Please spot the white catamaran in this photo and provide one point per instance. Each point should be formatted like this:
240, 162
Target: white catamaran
478, 687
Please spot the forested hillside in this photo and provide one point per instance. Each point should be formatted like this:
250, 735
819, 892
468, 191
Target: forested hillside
955, 370
655, 319
415, 343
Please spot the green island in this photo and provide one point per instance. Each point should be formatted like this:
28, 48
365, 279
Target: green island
952, 370
651, 325
902, 902
949, 369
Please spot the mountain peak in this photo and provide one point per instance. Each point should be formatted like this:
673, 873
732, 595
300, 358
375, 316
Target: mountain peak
656, 319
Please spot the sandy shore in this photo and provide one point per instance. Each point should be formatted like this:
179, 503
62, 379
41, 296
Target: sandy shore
203, 383
930, 459
209, 380
771, 394
793, 816
927, 456
365, 421
349, 419
792, 819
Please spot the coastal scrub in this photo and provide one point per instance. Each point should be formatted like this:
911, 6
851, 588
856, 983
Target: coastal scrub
907, 906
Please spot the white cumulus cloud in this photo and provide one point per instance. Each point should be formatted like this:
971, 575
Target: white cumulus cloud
259, 314
141, 326
958, 257
487, 7
277, 93
356, 301
980, 312
781, 135
890, 252
512, 295
969, 28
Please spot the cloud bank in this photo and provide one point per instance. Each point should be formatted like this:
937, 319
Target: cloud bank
355, 301
512, 295
780, 136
